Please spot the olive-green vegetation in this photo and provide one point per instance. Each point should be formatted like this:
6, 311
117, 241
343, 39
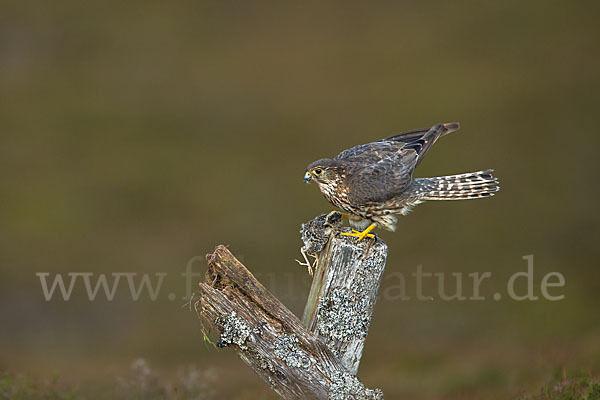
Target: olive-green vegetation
140, 382
22, 388
577, 387
136, 136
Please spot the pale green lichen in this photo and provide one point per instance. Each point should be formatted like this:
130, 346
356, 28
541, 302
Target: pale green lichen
343, 316
345, 386
287, 349
235, 331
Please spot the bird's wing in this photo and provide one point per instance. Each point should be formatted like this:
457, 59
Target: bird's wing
381, 170
378, 171
421, 140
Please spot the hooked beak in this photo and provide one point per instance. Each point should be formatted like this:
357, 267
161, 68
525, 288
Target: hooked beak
307, 177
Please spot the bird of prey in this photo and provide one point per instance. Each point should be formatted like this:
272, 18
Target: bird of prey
372, 183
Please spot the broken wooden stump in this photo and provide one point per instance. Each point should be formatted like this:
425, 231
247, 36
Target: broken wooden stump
343, 295
318, 362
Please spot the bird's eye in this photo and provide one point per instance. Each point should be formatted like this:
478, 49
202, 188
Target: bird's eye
318, 171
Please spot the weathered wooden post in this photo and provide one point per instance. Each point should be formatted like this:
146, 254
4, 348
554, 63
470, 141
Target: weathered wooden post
343, 294
317, 360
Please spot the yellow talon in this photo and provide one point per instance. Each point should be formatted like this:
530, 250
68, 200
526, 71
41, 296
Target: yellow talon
363, 234
359, 235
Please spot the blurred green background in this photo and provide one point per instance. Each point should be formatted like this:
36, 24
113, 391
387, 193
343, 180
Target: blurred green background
138, 135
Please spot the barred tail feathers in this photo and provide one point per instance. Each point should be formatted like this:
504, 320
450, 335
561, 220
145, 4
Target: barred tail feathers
472, 185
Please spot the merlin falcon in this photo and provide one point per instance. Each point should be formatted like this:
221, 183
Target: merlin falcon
372, 183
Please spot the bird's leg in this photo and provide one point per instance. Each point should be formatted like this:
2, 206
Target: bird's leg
363, 234
344, 215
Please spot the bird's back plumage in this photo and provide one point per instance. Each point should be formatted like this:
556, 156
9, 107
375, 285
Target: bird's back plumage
382, 170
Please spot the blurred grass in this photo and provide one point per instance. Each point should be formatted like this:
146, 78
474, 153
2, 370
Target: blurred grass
137, 136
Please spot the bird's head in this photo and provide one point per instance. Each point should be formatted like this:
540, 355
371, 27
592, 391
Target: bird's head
325, 172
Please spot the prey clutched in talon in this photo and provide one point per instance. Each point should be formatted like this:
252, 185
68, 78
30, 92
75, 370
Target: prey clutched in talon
315, 236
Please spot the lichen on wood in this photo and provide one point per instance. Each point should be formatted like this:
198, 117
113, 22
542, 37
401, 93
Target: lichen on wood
342, 316
345, 385
235, 330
